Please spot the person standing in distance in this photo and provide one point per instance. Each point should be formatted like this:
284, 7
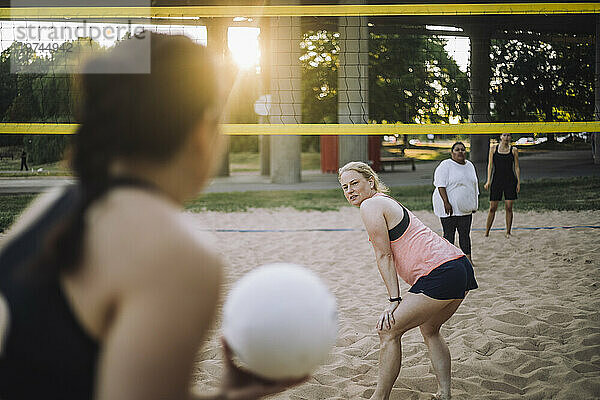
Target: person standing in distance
24, 161
503, 160
455, 197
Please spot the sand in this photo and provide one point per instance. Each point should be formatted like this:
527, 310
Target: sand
531, 331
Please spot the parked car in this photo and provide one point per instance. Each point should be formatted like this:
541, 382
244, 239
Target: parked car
525, 140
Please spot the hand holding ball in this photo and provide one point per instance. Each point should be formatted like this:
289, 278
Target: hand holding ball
280, 320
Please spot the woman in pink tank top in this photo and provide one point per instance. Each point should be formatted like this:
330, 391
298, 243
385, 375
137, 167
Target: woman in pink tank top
439, 274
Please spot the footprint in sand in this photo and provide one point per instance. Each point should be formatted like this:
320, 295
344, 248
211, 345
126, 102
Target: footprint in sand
499, 386
559, 318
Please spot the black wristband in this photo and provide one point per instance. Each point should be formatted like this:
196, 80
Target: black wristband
398, 299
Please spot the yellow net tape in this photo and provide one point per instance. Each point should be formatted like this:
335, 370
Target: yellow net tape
299, 11
348, 129
320, 10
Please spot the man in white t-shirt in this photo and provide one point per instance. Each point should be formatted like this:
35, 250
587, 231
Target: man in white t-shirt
455, 197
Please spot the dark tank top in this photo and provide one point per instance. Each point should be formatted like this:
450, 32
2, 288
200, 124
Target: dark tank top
503, 166
46, 354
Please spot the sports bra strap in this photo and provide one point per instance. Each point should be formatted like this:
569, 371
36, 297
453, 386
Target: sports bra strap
398, 230
131, 181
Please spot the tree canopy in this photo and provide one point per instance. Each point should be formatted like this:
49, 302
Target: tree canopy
43, 92
411, 79
543, 79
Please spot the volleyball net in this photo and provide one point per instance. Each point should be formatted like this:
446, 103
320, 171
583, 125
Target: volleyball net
344, 69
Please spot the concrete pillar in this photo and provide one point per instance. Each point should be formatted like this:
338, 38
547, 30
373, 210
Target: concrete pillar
353, 85
264, 141
286, 97
596, 135
479, 80
264, 148
216, 37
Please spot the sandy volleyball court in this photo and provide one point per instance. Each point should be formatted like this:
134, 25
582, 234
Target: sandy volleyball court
531, 331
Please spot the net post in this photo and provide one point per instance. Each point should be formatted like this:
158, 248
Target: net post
286, 92
596, 135
216, 32
353, 84
264, 141
479, 82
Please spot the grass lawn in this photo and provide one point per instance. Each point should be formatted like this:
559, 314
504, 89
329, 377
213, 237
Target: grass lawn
11, 205
250, 162
440, 150
238, 162
570, 194
11, 168
547, 194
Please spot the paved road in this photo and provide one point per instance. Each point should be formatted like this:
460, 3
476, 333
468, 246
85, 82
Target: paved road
553, 164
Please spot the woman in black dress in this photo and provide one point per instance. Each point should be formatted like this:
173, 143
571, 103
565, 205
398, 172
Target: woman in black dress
504, 161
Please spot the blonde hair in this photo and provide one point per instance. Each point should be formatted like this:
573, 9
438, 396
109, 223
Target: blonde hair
365, 171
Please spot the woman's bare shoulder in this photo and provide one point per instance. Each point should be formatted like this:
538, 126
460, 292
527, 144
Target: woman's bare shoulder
385, 205
374, 203
148, 236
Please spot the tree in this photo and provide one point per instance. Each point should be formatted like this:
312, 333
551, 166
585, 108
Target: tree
413, 79
41, 92
319, 76
240, 107
319, 81
8, 82
543, 79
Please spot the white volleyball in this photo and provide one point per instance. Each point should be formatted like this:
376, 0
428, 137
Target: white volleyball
280, 320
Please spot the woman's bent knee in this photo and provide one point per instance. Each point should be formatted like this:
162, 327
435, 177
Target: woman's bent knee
428, 331
389, 334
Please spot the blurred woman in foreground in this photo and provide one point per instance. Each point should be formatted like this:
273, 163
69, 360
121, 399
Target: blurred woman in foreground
106, 292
